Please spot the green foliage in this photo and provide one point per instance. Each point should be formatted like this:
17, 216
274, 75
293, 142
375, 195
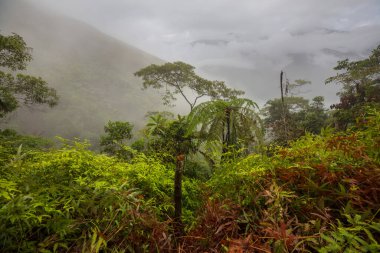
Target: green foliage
290, 117
291, 120
14, 54
72, 199
232, 123
117, 134
361, 87
165, 136
12, 144
319, 193
316, 116
197, 168
358, 236
292, 200
157, 124
179, 78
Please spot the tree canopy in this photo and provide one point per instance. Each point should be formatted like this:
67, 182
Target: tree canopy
361, 87
180, 78
291, 119
231, 122
117, 133
17, 88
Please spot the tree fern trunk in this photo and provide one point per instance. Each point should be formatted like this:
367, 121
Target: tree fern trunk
227, 139
178, 226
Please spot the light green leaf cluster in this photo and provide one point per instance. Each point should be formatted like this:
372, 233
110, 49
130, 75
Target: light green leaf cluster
71, 197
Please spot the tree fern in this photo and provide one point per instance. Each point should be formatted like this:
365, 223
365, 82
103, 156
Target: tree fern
229, 122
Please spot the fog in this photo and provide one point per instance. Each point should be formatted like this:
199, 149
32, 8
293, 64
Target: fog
92, 73
245, 43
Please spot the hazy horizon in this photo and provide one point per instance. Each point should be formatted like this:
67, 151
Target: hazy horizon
245, 43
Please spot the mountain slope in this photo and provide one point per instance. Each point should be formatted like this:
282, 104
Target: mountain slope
92, 72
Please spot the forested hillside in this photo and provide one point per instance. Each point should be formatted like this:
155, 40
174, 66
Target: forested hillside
92, 72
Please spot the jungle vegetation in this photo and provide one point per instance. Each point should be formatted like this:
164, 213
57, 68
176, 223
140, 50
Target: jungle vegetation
227, 177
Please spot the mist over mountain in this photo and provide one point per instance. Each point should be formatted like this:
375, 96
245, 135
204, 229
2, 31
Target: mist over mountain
92, 73
254, 65
247, 43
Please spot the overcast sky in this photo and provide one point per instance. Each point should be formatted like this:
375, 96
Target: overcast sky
246, 35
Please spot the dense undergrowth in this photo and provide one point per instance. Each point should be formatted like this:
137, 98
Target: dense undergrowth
320, 194
71, 199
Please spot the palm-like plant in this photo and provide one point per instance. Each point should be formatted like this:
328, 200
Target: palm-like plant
169, 136
156, 125
230, 122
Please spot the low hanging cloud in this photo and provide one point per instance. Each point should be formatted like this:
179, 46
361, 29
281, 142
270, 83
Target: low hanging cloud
244, 42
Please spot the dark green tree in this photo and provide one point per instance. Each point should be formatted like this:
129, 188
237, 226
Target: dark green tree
168, 136
291, 118
179, 78
282, 118
316, 116
361, 88
183, 145
117, 133
20, 88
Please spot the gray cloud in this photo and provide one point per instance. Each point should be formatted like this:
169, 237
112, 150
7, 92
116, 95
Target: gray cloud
241, 41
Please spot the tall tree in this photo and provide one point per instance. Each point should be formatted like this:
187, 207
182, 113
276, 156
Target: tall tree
283, 116
179, 78
361, 87
182, 144
286, 89
16, 88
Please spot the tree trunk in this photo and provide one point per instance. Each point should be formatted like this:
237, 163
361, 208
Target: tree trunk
283, 108
282, 88
227, 139
178, 226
